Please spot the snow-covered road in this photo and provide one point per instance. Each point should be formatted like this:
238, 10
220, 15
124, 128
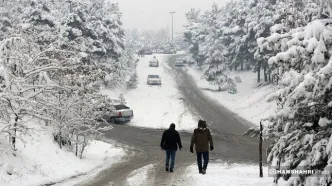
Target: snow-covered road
149, 102
156, 106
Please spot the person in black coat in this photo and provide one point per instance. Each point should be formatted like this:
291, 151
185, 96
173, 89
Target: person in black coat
170, 142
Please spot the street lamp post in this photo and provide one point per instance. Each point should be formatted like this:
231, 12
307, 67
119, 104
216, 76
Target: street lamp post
172, 22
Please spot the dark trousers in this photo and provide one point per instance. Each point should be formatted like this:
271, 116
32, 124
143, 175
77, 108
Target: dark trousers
170, 154
199, 160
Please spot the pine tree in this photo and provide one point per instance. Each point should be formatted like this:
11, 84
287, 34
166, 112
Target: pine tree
302, 126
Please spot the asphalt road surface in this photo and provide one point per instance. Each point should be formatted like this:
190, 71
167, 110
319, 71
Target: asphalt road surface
226, 127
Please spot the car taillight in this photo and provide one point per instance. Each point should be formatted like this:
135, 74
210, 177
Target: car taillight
120, 114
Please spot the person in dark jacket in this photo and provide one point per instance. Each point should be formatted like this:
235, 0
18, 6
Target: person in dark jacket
170, 142
201, 139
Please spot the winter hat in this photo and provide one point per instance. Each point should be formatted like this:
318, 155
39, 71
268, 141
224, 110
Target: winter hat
172, 126
204, 124
200, 123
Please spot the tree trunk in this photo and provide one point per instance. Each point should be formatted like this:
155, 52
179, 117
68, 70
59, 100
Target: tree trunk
83, 147
270, 78
14, 135
76, 151
259, 72
59, 139
265, 73
241, 65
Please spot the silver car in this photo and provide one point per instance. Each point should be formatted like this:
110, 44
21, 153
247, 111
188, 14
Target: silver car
154, 80
154, 62
179, 62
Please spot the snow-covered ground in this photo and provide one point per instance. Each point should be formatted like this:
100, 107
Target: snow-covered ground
156, 106
41, 161
141, 177
249, 102
218, 174
224, 174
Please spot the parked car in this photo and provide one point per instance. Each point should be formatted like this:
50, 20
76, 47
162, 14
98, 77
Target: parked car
119, 114
148, 52
154, 62
188, 60
154, 80
179, 62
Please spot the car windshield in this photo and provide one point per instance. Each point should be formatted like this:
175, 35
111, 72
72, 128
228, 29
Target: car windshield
153, 76
120, 107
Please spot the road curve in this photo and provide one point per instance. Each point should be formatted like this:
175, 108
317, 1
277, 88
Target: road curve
226, 127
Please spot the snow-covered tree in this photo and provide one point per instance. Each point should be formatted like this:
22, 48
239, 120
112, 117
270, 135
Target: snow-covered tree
54, 56
302, 126
216, 67
24, 81
195, 33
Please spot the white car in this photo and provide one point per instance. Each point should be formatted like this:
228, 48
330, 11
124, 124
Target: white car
179, 62
154, 62
118, 114
154, 80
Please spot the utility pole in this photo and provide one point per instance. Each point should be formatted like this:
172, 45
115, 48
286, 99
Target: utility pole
260, 149
172, 22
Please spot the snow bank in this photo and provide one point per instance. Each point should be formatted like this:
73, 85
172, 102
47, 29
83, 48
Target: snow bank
140, 177
41, 161
249, 102
223, 174
156, 106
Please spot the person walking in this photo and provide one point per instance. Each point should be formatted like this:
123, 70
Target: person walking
170, 142
201, 139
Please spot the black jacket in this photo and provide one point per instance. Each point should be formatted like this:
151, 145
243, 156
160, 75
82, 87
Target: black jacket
171, 139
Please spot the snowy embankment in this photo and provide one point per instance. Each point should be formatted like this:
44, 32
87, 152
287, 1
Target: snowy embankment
224, 174
41, 161
156, 106
250, 100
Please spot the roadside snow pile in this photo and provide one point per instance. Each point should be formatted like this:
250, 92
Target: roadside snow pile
156, 106
41, 161
249, 102
223, 174
140, 177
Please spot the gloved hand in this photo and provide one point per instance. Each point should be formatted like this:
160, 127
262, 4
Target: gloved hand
191, 149
162, 148
211, 148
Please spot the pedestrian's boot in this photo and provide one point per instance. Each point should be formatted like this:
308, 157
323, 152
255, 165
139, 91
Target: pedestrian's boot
200, 171
203, 171
167, 168
171, 170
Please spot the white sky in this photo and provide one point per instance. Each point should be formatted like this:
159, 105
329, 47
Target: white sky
154, 14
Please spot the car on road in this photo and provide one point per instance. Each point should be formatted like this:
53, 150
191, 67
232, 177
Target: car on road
119, 113
154, 62
148, 52
188, 60
154, 80
179, 62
